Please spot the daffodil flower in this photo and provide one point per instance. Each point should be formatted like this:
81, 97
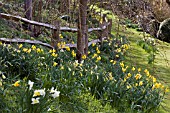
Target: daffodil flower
39, 92
54, 92
16, 84
35, 100
30, 83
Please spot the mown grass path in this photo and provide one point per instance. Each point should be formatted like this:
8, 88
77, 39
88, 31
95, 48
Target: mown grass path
160, 68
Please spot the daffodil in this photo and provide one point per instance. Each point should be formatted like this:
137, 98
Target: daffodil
54, 92
129, 75
139, 69
38, 50
67, 48
138, 76
84, 56
133, 68
55, 64
29, 51
54, 54
62, 67
73, 53
117, 56
30, 83
110, 76
25, 49
33, 47
98, 58
122, 64
39, 92
60, 35
94, 55
0, 82
35, 100
128, 86
98, 51
20, 46
16, 84
157, 85
3, 76
140, 83
93, 44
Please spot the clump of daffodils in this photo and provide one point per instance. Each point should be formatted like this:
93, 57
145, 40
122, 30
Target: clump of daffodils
40, 93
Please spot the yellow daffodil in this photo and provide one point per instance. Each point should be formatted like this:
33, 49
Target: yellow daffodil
117, 56
84, 56
25, 49
73, 53
55, 64
129, 86
154, 79
54, 54
139, 69
138, 76
98, 58
60, 35
38, 50
94, 55
156, 86
67, 48
129, 75
140, 83
166, 90
52, 51
98, 52
110, 76
93, 44
61, 68
33, 47
122, 64
133, 68
16, 84
20, 46
3, 76
29, 51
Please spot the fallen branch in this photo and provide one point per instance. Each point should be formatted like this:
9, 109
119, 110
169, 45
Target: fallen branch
49, 26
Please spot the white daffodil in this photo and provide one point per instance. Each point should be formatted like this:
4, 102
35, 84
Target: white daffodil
30, 83
35, 100
54, 92
39, 92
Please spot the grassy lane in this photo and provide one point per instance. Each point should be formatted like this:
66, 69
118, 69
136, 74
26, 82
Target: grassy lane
161, 67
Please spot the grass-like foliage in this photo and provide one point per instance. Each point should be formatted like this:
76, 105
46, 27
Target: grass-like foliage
35, 79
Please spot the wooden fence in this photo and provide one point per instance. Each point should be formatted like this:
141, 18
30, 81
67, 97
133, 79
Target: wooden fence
103, 31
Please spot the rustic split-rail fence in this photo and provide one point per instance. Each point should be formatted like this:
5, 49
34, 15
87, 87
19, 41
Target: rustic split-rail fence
103, 31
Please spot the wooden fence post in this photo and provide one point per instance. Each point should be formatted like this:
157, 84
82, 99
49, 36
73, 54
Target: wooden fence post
110, 27
86, 41
55, 35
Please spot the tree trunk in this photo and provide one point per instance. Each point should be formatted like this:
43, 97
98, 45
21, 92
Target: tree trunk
65, 6
28, 12
82, 29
